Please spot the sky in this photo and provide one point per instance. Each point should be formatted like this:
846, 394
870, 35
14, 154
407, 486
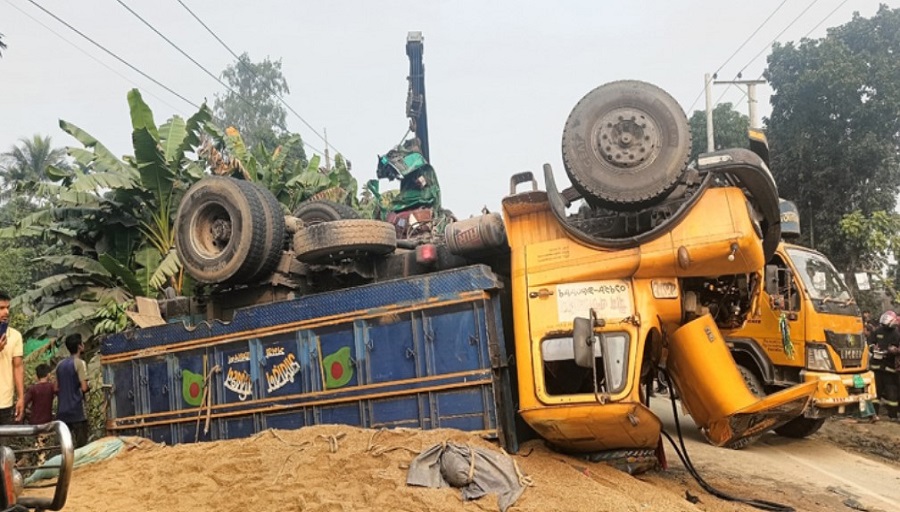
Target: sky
501, 76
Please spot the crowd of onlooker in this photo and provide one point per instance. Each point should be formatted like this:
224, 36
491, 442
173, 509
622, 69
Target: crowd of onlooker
883, 337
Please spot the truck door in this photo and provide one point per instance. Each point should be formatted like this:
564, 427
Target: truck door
783, 321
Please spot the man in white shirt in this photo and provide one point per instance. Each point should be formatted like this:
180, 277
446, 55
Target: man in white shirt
12, 369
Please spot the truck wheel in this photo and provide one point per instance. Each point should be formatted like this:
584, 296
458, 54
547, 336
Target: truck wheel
220, 231
344, 239
801, 427
756, 387
274, 230
314, 212
625, 145
752, 381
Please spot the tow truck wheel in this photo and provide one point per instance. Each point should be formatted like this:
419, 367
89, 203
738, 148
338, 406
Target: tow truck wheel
220, 231
328, 242
625, 145
755, 386
801, 427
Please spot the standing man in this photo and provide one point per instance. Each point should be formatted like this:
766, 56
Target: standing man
12, 370
71, 385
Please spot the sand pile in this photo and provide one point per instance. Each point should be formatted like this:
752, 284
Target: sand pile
342, 468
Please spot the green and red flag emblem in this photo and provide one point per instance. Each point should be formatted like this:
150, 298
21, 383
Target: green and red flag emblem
337, 368
192, 387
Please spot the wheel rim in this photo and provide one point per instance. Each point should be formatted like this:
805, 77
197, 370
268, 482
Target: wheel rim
627, 138
212, 231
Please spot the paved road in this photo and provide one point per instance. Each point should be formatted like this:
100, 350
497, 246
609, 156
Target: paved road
807, 471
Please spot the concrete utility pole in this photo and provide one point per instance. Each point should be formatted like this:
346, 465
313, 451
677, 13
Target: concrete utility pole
751, 96
710, 141
327, 156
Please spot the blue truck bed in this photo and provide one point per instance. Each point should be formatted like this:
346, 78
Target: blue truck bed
423, 352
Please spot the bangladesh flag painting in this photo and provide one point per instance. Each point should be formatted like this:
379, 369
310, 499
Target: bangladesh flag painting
337, 368
192, 387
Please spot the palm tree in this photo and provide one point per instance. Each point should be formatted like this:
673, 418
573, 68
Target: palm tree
27, 163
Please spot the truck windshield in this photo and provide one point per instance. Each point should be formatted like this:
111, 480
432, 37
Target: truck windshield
824, 285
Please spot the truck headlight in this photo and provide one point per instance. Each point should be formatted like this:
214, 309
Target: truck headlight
818, 358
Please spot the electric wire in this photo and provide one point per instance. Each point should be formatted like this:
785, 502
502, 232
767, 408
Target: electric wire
238, 59
95, 59
805, 36
194, 61
113, 55
747, 40
768, 46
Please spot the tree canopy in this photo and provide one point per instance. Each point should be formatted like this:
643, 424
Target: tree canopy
27, 162
834, 134
729, 129
253, 105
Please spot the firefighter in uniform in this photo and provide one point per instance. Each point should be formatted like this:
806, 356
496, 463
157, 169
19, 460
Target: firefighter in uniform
885, 347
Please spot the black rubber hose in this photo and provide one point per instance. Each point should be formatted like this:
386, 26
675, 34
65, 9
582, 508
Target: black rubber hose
686, 460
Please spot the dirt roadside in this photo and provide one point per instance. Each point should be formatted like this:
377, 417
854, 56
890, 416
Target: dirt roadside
340, 468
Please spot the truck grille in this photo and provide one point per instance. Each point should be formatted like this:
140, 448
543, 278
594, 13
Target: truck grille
849, 346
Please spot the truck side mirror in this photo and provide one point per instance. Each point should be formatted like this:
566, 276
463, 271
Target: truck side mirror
772, 280
583, 340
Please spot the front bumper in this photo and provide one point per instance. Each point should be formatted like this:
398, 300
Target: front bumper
838, 393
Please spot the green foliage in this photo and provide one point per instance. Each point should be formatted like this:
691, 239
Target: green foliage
117, 218
27, 164
111, 317
289, 181
729, 129
254, 107
834, 136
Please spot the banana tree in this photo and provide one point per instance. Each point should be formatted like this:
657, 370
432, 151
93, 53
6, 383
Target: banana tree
117, 215
289, 180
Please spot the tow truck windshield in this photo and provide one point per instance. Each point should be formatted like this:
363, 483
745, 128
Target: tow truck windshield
827, 290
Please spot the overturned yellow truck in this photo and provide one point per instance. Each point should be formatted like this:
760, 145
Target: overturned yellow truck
640, 265
561, 314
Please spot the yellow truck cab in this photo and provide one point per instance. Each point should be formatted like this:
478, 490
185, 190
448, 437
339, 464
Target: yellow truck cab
657, 258
808, 329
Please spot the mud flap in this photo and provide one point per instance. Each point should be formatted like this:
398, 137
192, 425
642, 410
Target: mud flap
714, 393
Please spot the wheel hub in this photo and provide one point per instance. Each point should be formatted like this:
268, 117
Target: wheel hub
627, 138
221, 232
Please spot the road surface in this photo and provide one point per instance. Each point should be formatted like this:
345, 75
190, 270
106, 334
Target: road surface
808, 474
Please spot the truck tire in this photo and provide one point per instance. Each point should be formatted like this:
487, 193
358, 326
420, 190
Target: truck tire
274, 230
752, 381
755, 386
314, 212
625, 145
801, 427
344, 239
220, 231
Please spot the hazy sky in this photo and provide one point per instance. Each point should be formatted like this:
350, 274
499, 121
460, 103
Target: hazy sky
501, 76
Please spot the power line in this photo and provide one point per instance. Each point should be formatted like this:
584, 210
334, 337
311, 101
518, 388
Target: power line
113, 55
791, 24
188, 57
830, 14
235, 55
747, 40
82, 50
766, 47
